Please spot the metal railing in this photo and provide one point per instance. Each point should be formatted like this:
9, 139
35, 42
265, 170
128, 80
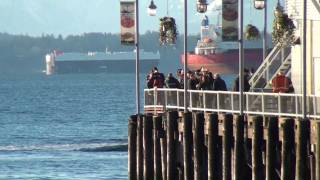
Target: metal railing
271, 64
256, 103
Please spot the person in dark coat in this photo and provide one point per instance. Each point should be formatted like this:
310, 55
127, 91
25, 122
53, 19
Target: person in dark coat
172, 82
180, 78
210, 79
192, 81
218, 83
150, 80
246, 85
158, 78
192, 85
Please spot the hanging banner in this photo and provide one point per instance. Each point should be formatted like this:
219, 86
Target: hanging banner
127, 10
229, 20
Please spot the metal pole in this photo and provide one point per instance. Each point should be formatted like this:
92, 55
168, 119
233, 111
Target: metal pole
241, 78
265, 36
185, 56
304, 60
137, 59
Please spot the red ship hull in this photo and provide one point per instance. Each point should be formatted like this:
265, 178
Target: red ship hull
226, 62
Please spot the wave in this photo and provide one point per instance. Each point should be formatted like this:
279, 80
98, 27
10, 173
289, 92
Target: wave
90, 147
116, 147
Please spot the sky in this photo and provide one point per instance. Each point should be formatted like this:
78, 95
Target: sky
65, 17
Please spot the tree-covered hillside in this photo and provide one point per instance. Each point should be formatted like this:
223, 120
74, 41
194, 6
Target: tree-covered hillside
25, 54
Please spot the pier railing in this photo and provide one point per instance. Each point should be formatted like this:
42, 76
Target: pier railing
256, 103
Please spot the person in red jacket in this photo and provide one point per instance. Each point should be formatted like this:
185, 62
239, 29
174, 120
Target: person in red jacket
281, 84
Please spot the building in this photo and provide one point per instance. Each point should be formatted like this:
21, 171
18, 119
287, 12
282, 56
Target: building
294, 9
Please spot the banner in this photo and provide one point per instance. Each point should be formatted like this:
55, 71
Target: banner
229, 20
127, 10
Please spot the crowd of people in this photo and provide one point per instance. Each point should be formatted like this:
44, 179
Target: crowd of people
202, 79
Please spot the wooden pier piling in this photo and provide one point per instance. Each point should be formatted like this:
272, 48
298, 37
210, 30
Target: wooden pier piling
239, 160
147, 147
302, 134
287, 161
257, 140
227, 146
157, 129
213, 142
171, 149
316, 129
140, 147
187, 146
198, 140
132, 148
272, 140
163, 144
211, 146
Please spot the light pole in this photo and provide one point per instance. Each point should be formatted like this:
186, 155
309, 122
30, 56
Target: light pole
262, 4
241, 78
304, 60
185, 56
264, 54
137, 58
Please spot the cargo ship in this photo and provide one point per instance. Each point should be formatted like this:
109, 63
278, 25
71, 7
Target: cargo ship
222, 56
99, 62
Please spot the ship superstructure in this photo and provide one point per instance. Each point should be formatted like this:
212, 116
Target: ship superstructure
219, 56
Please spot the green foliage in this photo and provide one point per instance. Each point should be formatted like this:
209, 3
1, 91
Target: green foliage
23, 53
283, 30
252, 32
168, 31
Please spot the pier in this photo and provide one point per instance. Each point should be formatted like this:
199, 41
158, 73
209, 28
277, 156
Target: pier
212, 141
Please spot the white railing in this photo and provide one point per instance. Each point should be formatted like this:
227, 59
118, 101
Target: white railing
256, 103
271, 64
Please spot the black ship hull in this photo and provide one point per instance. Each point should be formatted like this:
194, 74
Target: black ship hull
101, 66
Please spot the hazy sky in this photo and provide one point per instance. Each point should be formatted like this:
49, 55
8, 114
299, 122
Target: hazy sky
35, 17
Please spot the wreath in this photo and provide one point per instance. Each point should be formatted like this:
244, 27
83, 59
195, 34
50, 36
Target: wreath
168, 31
283, 29
252, 32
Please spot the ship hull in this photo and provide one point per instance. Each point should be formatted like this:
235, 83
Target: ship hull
225, 63
101, 66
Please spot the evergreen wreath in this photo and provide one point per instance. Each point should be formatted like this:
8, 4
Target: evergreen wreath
168, 31
252, 32
283, 30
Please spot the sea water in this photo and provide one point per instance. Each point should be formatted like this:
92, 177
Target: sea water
71, 126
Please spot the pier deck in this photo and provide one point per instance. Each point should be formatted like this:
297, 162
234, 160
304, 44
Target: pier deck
212, 141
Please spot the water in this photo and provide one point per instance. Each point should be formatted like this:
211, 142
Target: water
66, 126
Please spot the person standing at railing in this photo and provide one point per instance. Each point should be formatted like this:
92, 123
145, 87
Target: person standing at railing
192, 81
172, 82
219, 84
283, 84
280, 83
150, 80
192, 85
158, 78
205, 81
246, 85
180, 75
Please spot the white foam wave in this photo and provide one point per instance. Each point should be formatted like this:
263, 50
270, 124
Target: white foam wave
66, 147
